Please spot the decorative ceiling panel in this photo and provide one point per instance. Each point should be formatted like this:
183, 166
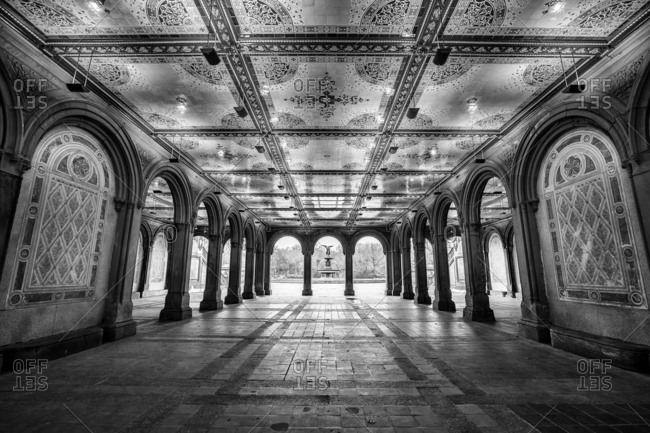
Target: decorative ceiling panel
391, 202
264, 202
328, 214
332, 16
391, 183
327, 184
328, 154
574, 18
173, 92
326, 92
480, 92
425, 154
133, 17
328, 201
218, 154
255, 183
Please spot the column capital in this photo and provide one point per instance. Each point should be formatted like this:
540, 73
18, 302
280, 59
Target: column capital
234, 244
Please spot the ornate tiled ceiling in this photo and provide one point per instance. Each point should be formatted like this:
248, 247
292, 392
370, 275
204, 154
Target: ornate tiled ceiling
326, 85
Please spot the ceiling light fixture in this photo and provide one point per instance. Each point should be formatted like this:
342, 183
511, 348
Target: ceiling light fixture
98, 5
393, 149
472, 105
78, 87
379, 118
412, 113
274, 119
241, 111
442, 54
174, 159
389, 91
260, 149
580, 85
210, 53
265, 91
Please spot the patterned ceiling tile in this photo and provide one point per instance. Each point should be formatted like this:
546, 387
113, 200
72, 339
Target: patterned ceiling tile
264, 202
332, 16
255, 183
398, 184
173, 92
79, 17
324, 184
480, 92
328, 214
272, 213
328, 154
576, 18
390, 202
218, 154
424, 154
311, 201
343, 92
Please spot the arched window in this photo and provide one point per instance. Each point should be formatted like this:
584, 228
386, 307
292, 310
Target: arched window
61, 234
586, 221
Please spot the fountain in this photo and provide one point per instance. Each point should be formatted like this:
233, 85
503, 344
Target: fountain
328, 273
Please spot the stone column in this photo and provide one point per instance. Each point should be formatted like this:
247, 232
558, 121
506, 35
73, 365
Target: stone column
510, 270
259, 273
234, 289
212, 292
389, 274
407, 282
534, 323
118, 307
267, 273
11, 179
442, 295
177, 301
349, 273
306, 286
486, 266
422, 289
477, 304
249, 273
397, 273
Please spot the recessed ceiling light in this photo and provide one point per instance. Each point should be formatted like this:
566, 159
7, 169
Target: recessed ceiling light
472, 105
274, 119
98, 5
389, 91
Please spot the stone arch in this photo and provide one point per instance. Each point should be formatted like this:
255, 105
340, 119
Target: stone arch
439, 212
214, 210
270, 245
11, 121
639, 129
420, 223
236, 230
406, 232
179, 186
111, 136
322, 233
474, 186
250, 232
543, 134
395, 238
371, 233
260, 240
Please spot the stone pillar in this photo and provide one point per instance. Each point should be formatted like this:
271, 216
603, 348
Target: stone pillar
212, 292
510, 270
234, 289
267, 273
249, 273
486, 266
534, 323
259, 273
397, 273
422, 288
118, 307
442, 295
143, 284
306, 286
477, 304
10, 183
407, 282
389, 274
349, 273
177, 301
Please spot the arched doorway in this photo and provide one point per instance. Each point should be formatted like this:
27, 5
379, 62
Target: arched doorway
448, 253
328, 267
369, 268
287, 267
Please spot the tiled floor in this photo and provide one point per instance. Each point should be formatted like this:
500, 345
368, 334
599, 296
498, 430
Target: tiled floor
325, 364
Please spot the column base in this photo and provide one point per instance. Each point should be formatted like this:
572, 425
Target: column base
449, 306
233, 299
408, 295
210, 305
478, 315
248, 295
267, 292
117, 331
348, 292
534, 330
259, 292
424, 299
307, 292
175, 314
397, 292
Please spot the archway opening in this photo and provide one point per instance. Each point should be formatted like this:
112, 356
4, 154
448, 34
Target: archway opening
200, 245
495, 216
369, 268
287, 267
328, 267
